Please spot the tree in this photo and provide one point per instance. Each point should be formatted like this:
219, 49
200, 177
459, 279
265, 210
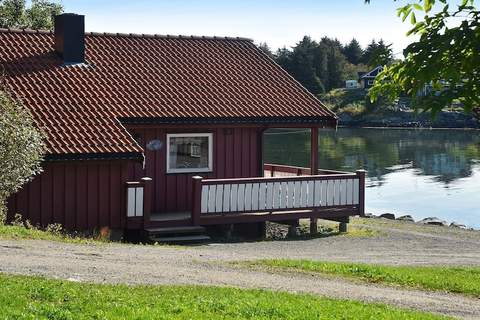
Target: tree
302, 65
445, 57
21, 147
382, 55
266, 49
369, 52
15, 14
377, 54
350, 70
336, 65
319, 66
353, 51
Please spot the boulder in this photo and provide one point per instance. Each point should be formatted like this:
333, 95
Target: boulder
433, 221
369, 215
389, 216
407, 218
458, 225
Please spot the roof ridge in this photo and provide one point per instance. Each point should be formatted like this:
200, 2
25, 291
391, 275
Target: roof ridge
165, 36
25, 30
129, 35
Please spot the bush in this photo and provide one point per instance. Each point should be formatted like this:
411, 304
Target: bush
345, 101
21, 148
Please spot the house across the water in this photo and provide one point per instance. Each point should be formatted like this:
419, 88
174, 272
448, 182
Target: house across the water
367, 79
164, 134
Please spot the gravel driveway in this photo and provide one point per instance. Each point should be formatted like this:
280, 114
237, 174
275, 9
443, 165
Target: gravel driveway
398, 243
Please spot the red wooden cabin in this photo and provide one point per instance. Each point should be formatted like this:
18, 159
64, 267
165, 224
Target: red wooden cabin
149, 131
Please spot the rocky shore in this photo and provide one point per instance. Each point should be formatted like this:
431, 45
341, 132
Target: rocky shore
426, 221
410, 119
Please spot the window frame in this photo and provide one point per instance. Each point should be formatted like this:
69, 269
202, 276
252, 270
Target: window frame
209, 135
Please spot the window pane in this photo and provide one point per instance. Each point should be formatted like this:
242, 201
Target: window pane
188, 152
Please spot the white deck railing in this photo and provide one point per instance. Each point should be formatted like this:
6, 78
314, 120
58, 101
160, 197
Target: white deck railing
134, 199
275, 194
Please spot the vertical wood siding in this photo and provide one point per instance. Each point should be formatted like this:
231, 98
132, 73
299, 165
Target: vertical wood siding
80, 195
234, 156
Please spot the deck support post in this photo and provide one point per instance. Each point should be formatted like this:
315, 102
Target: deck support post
196, 199
292, 227
313, 226
313, 169
229, 231
292, 230
342, 227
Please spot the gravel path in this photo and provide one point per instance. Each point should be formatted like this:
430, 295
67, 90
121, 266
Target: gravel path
209, 264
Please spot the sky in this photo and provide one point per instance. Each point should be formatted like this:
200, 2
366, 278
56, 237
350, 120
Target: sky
278, 23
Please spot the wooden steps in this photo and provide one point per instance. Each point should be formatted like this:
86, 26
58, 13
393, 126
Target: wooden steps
177, 235
183, 239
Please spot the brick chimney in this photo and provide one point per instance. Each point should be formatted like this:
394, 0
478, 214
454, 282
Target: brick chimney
70, 37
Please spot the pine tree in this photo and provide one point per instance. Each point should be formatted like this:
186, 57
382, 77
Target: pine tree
369, 52
378, 53
303, 65
353, 51
266, 49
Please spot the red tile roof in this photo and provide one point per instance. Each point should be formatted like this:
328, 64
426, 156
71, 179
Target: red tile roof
140, 76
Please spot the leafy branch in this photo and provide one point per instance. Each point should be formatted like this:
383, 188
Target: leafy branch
441, 68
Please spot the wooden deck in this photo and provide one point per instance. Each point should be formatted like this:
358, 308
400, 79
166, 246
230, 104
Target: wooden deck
285, 193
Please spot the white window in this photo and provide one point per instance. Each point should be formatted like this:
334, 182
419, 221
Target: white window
189, 152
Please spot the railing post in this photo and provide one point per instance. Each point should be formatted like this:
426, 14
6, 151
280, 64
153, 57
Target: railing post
147, 200
313, 169
196, 199
314, 151
361, 192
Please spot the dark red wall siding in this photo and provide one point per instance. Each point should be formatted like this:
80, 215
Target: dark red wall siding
235, 155
81, 195
86, 195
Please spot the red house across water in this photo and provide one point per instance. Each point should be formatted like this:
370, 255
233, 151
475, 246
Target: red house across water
164, 134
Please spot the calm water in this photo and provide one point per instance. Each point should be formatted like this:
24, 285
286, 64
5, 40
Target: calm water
418, 172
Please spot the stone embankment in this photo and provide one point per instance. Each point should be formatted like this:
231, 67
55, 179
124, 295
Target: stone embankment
409, 119
426, 221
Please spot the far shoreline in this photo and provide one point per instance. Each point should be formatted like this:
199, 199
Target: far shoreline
408, 128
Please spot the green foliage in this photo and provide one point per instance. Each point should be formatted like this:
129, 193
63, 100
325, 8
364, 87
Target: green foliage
464, 280
319, 66
15, 14
325, 65
351, 71
353, 52
350, 101
21, 147
266, 49
378, 54
37, 298
445, 58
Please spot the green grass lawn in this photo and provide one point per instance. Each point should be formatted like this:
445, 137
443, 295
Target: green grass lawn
17, 232
24, 297
464, 280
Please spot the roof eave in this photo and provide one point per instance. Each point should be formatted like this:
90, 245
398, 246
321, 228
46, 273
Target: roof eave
326, 121
136, 156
